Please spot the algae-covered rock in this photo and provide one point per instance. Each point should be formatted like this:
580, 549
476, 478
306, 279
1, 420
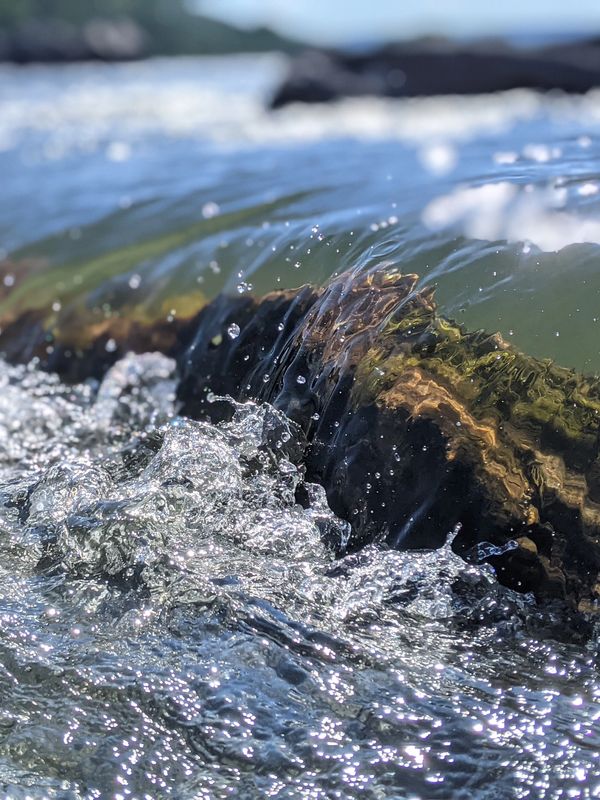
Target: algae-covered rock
414, 425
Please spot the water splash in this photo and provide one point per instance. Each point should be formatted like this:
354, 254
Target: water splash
174, 621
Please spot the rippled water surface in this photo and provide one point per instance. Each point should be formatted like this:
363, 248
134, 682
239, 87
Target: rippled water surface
174, 621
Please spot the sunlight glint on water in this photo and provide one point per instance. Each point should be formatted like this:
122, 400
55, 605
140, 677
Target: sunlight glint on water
174, 623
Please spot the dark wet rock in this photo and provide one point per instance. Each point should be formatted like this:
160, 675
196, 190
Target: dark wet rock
438, 68
414, 426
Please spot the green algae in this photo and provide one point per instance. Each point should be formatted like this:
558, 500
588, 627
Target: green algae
74, 282
494, 380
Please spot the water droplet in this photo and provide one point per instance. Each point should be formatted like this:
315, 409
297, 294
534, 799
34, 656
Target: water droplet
135, 281
301, 380
110, 346
210, 210
233, 331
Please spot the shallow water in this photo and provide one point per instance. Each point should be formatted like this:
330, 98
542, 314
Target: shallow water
175, 623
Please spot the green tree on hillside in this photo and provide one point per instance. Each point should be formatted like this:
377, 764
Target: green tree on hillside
169, 27
77, 11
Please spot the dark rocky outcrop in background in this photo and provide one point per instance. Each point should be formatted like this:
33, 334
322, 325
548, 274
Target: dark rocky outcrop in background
438, 67
114, 30
412, 424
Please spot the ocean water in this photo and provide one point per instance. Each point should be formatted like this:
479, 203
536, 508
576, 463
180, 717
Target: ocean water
174, 624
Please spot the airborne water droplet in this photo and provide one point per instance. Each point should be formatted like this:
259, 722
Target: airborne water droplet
233, 331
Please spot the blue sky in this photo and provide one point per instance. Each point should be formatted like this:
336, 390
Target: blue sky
338, 21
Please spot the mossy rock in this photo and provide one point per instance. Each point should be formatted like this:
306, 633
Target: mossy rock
414, 425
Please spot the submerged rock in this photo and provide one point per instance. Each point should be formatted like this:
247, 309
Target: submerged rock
414, 426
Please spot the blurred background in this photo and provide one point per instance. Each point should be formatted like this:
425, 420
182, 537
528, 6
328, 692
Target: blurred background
33, 30
156, 152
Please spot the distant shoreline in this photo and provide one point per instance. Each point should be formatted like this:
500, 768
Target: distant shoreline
52, 40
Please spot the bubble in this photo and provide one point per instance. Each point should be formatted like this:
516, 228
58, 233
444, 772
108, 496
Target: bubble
233, 331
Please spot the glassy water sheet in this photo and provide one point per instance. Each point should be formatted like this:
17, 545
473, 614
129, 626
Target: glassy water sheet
174, 623
145, 189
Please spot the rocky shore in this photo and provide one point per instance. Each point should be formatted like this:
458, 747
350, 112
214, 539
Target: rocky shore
438, 67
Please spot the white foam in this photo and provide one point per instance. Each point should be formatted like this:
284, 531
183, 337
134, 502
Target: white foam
506, 211
225, 100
